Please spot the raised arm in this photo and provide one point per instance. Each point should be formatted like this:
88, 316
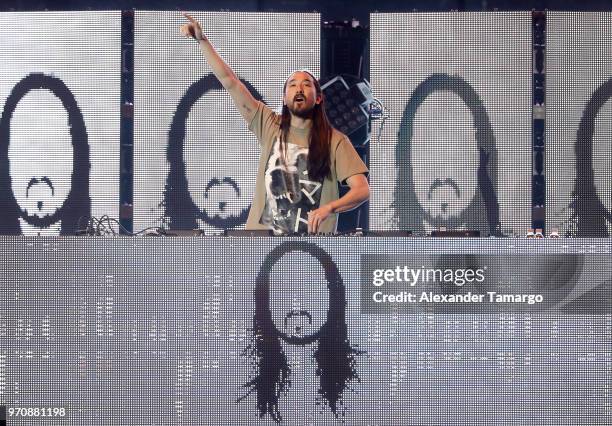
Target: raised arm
244, 101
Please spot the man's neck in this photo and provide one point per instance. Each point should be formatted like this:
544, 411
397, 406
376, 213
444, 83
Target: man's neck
301, 123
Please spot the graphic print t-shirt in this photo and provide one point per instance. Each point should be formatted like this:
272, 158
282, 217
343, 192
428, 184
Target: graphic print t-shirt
290, 193
283, 186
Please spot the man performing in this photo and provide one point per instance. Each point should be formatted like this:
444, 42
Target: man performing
302, 155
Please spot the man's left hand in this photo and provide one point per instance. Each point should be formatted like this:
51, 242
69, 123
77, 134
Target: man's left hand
316, 218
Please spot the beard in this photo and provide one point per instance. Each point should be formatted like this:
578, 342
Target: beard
304, 112
442, 217
220, 217
43, 221
40, 218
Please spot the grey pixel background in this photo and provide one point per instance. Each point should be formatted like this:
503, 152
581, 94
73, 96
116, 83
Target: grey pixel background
577, 64
492, 52
151, 331
260, 47
83, 49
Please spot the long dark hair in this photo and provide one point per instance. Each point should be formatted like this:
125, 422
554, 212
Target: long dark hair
319, 166
334, 355
78, 202
405, 199
588, 214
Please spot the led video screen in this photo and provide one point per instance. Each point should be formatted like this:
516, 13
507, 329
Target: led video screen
195, 161
242, 331
579, 124
59, 128
455, 151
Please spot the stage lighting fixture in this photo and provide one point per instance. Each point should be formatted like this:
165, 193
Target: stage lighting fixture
347, 106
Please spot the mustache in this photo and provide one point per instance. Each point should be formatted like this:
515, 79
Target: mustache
299, 95
35, 181
439, 183
291, 314
215, 182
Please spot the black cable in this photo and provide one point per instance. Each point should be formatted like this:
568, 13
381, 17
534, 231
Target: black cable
97, 227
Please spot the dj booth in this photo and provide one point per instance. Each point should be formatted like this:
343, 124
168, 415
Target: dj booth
222, 330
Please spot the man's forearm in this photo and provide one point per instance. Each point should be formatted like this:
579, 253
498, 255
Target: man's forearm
352, 199
220, 69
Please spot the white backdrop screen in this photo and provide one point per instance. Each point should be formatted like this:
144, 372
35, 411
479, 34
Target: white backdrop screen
579, 123
220, 331
59, 98
195, 161
455, 151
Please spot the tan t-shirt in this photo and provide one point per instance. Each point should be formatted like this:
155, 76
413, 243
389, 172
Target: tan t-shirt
284, 194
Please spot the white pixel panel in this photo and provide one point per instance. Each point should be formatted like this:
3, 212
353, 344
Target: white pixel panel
455, 151
195, 162
579, 123
60, 103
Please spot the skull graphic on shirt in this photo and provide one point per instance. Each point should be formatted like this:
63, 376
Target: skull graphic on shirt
290, 194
